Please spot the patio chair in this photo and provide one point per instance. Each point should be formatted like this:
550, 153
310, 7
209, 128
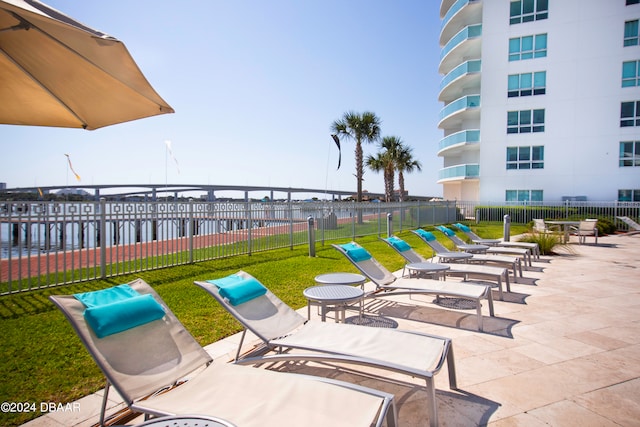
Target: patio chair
533, 247
540, 226
283, 329
389, 285
525, 254
466, 271
159, 369
587, 227
447, 256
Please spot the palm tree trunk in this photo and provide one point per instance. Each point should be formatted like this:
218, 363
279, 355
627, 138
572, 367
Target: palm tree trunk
401, 185
359, 170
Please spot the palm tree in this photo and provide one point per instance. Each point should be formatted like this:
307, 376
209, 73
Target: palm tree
362, 128
405, 163
382, 162
386, 161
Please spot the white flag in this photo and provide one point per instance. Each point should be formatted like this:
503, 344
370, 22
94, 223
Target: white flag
168, 144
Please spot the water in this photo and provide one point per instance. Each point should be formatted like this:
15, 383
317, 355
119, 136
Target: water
42, 227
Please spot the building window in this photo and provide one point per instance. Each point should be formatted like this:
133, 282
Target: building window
523, 195
631, 33
630, 114
629, 195
528, 10
527, 84
525, 121
525, 157
629, 154
630, 73
528, 47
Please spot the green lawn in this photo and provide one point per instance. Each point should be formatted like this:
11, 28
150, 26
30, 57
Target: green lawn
43, 360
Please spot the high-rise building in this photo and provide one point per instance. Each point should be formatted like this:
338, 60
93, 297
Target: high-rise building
541, 100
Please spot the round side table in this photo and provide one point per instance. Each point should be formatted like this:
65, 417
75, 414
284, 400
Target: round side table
332, 297
340, 279
434, 269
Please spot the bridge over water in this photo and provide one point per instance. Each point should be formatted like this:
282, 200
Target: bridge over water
153, 191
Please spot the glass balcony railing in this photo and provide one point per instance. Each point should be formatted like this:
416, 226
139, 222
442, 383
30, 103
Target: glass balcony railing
453, 10
471, 136
466, 33
460, 104
461, 70
460, 172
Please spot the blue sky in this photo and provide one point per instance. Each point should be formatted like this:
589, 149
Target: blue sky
256, 86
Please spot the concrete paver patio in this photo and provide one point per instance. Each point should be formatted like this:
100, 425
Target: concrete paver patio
563, 349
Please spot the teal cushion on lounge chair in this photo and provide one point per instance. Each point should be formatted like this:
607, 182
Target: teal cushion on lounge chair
399, 244
227, 280
114, 317
106, 296
355, 252
237, 289
462, 227
445, 230
427, 235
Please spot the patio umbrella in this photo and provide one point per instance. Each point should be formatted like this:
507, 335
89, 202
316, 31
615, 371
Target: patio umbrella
55, 71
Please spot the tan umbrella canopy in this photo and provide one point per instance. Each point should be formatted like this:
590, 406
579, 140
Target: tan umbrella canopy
55, 71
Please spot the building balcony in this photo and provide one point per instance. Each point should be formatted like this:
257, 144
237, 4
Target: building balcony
459, 172
465, 45
460, 14
459, 141
460, 80
465, 108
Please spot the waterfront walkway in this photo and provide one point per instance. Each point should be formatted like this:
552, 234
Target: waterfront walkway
563, 349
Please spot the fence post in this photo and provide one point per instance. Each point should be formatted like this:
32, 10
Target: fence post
312, 236
356, 210
249, 227
290, 213
103, 239
191, 230
389, 225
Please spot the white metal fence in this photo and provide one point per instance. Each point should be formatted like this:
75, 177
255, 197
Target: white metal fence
46, 244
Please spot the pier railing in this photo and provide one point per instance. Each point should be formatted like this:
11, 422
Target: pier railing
46, 244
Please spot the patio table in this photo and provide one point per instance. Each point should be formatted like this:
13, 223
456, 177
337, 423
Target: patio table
340, 279
566, 227
336, 296
427, 268
186, 421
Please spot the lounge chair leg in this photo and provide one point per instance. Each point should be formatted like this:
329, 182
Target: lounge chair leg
451, 367
433, 406
520, 266
105, 397
244, 332
479, 312
490, 302
506, 279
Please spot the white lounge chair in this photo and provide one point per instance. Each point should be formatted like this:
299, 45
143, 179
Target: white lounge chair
445, 255
631, 224
533, 247
283, 329
388, 284
159, 369
467, 271
525, 254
